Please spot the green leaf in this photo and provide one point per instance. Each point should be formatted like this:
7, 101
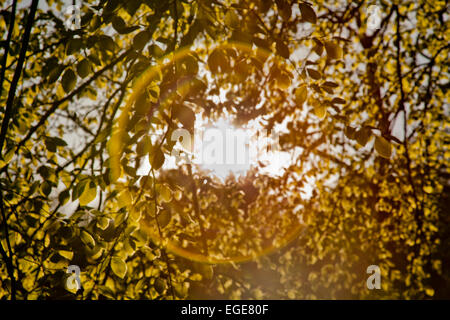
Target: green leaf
119, 24
308, 13
119, 267
89, 194
73, 45
87, 239
383, 147
64, 197
106, 43
54, 73
84, 68
69, 80
58, 142
46, 188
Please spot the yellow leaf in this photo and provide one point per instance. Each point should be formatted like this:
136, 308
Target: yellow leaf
66, 254
363, 136
333, 50
429, 292
103, 223
301, 93
87, 239
124, 198
119, 267
89, 194
383, 147
320, 111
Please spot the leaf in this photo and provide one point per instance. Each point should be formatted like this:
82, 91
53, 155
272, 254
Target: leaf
283, 80
119, 267
119, 24
51, 143
144, 146
318, 48
231, 19
383, 147
64, 197
69, 80
106, 43
141, 39
58, 142
124, 198
350, 132
66, 254
157, 158
87, 239
330, 84
363, 136
282, 49
338, 101
46, 188
160, 285
308, 13
106, 291
178, 195
314, 74
155, 51
89, 194
320, 110
218, 60
84, 68
301, 94
164, 218
333, 50
73, 45
103, 223
54, 73
285, 10
184, 114
165, 193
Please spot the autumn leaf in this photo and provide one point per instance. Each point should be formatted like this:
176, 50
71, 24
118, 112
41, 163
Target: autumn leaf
119, 267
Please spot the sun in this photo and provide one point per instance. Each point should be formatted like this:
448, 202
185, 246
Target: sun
223, 149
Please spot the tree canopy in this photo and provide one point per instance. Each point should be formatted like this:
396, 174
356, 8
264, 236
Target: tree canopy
362, 111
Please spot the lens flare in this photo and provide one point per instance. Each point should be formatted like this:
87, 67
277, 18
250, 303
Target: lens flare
208, 233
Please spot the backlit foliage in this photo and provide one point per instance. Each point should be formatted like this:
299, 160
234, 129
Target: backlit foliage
365, 110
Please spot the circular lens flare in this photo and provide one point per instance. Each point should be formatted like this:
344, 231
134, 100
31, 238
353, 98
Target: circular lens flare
207, 233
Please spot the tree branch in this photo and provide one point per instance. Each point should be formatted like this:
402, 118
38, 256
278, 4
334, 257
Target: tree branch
17, 73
